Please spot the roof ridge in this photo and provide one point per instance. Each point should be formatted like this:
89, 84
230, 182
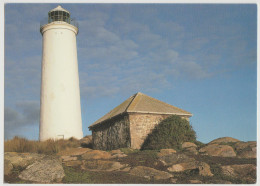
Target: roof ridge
131, 100
134, 102
167, 104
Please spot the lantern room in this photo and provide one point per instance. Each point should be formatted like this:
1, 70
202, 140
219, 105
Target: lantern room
59, 14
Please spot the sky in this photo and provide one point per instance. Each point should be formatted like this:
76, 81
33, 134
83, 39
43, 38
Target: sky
198, 57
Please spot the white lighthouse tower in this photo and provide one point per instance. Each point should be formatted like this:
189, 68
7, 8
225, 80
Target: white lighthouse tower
60, 95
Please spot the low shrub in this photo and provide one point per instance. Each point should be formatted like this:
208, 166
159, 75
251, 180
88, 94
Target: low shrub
170, 133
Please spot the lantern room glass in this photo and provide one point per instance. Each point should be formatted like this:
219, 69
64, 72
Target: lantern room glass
58, 16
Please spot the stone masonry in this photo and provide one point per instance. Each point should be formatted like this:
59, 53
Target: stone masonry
129, 130
128, 124
113, 134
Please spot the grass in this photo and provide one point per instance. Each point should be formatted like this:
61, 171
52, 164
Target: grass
129, 150
18, 144
76, 176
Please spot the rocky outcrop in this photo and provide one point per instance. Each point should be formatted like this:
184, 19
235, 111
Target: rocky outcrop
195, 181
204, 168
96, 154
47, 170
102, 165
224, 140
244, 171
21, 160
218, 150
188, 145
117, 154
164, 152
175, 159
8, 167
246, 149
149, 173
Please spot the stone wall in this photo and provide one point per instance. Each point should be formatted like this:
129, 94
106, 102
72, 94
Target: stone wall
112, 134
143, 124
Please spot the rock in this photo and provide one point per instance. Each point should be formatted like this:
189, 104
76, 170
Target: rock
68, 158
188, 144
47, 170
195, 181
22, 160
242, 145
173, 180
127, 169
247, 154
116, 152
119, 155
204, 169
96, 154
242, 171
150, 173
220, 182
191, 150
183, 166
86, 142
223, 140
101, 165
174, 159
8, 167
74, 152
246, 149
218, 150
164, 152
72, 163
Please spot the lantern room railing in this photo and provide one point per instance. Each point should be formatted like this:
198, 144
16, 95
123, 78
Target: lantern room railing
70, 21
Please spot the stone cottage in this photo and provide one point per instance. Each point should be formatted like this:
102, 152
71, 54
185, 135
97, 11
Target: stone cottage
128, 124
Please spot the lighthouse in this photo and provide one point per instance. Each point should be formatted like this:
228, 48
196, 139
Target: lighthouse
60, 115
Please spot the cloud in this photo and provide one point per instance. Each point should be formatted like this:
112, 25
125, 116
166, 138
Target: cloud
121, 50
26, 114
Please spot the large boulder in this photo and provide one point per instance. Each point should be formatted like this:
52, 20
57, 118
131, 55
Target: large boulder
164, 152
244, 171
47, 170
188, 145
96, 154
246, 149
191, 150
21, 160
243, 145
102, 165
218, 150
180, 167
8, 167
149, 173
204, 168
117, 154
175, 158
224, 140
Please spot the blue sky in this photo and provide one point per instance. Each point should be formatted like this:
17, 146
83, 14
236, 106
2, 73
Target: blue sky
199, 57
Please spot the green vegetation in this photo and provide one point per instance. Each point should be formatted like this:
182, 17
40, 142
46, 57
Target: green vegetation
129, 150
170, 133
18, 144
76, 176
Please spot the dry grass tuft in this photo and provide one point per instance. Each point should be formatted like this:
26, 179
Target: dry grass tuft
18, 144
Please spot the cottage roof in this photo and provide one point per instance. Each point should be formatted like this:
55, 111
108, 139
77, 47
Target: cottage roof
141, 103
